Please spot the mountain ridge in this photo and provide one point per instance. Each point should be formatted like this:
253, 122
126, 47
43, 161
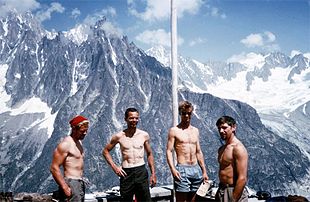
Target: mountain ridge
274, 84
100, 78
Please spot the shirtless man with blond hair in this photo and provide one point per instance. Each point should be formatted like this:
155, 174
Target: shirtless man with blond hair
133, 173
70, 155
190, 170
233, 162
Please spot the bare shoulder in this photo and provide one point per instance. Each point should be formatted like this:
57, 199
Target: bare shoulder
239, 149
118, 135
173, 131
65, 144
195, 130
141, 133
174, 128
221, 149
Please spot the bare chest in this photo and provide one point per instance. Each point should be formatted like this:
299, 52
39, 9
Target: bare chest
186, 137
76, 151
129, 143
225, 157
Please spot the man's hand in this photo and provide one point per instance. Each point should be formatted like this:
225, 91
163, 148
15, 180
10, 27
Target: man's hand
153, 180
119, 171
176, 175
67, 191
205, 177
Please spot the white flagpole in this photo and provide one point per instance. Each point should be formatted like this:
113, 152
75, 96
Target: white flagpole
174, 62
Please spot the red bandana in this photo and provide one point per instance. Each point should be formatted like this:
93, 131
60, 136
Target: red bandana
78, 120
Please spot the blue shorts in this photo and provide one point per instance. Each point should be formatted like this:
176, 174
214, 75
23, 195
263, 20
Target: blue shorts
191, 178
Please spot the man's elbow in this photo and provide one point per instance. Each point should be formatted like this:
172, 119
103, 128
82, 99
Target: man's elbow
242, 180
199, 153
149, 154
105, 153
53, 170
169, 152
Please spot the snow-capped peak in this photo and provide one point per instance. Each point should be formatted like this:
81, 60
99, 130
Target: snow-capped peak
263, 81
78, 34
250, 60
161, 54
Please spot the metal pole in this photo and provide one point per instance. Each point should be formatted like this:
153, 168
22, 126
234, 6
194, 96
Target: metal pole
174, 62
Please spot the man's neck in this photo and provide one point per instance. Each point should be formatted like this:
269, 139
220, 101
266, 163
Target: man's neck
74, 138
230, 140
184, 125
129, 132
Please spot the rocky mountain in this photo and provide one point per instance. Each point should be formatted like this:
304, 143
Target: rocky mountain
47, 78
276, 85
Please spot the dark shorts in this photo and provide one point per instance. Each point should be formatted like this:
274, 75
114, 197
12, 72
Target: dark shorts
191, 178
224, 194
135, 183
77, 188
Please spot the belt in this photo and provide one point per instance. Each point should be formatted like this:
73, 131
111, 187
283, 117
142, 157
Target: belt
134, 168
223, 185
81, 180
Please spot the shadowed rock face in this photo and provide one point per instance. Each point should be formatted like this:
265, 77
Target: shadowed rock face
277, 85
110, 74
33, 197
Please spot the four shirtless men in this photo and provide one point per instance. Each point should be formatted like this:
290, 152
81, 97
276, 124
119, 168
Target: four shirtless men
188, 173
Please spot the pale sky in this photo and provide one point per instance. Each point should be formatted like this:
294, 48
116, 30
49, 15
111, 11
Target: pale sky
207, 30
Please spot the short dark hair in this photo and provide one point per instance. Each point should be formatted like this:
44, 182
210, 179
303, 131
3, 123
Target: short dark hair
226, 119
184, 105
130, 109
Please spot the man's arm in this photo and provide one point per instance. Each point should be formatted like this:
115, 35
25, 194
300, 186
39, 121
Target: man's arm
201, 160
150, 160
169, 154
106, 154
59, 156
241, 165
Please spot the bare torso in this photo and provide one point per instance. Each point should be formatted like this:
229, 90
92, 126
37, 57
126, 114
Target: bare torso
186, 144
132, 148
227, 171
73, 164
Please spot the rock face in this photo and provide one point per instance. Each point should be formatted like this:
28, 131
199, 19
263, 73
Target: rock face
100, 78
33, 197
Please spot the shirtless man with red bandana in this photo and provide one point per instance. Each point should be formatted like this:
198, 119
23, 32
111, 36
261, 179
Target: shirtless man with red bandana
70, 155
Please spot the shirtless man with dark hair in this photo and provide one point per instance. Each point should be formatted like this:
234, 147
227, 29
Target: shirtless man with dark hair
70, 155
190, 170
133, 173
233, 162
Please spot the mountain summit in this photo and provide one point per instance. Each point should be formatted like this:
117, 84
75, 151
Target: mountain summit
276, 85
48, 78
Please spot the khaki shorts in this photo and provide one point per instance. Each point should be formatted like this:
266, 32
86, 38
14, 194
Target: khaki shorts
224, 194
77, 188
